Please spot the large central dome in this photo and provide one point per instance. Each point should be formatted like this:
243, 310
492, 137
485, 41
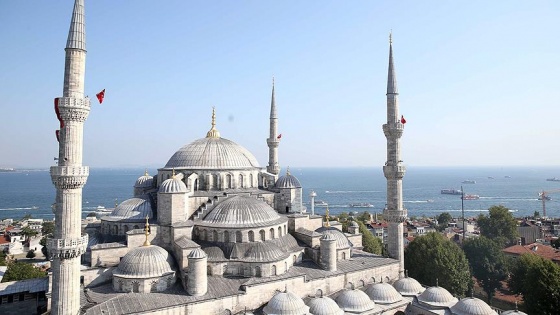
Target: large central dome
212, 153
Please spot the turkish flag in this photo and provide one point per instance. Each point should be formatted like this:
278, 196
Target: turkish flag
100, 96
279, 136
403, 121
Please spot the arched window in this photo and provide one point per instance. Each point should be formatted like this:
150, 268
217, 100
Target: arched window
153, 287
204, 235
257, 271
251, 180
215, 236
279, 231
271, 233
121, 285
227, 184
261, 232
273, 271
135, 286
241, 181
226, 236
136, 227
238, 237
295, 259
344, 255
125, 229
116, 229
251, 236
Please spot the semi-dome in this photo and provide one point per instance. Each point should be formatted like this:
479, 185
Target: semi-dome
383, 293
342, 241
212, 153
173, 185
286, 303
408, 286
145, 262
437, 296
354, 301
324, 306
133, 209
144, 181
242, 211
472, 306
288, 181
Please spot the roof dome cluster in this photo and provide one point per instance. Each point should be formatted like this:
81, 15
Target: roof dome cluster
242, 211
408, 286
383, 293
355, 301
145, 262
324, 306
286, 303
472, 306
438, 297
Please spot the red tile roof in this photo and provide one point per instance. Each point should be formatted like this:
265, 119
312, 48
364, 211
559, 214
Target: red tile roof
544, 251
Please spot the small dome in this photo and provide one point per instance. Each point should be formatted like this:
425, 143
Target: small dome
472, 306
514, 312
212, 153
324, 306
197, 253
286, 303
145, 262
354, 301
437, 296
133, 208
383, 293
173, 185
408, 286
144, 181
354, 224
242, 211
342, 241
288, 181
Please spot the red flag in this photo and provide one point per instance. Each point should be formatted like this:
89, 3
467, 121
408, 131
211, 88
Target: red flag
57, 132
279, 136
58, 113
100, 96
403, 121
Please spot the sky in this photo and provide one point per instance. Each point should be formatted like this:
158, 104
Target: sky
478, 80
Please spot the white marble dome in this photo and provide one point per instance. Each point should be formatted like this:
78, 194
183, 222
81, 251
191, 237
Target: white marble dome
408, 286
133, 208
243, 212
472, 306
145, 262
288, 181
324, 306
438, 297
144, 181
212, 153
355, 301
383, 293
342, 241
173, 185
514, 312
286, 303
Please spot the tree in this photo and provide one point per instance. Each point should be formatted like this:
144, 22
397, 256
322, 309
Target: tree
538, 280
556, 243
536, 214
364, 217
30, 254
21, 271
28, 232
47, 227
443, 221
488, 263
499, 226
433, 259
370, 243
44, 249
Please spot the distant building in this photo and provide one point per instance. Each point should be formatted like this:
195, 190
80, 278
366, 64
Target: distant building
544, 251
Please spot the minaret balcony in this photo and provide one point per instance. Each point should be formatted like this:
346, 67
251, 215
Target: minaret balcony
395, 216
393, 130
73, 108
69, 177
67, 247
394, 171
274, 142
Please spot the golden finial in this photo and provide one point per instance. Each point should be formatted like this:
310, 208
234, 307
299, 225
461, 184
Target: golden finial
288, 170
116, 202
173, 173
147, 232
213, 133
146, 172
328, 223
391, 37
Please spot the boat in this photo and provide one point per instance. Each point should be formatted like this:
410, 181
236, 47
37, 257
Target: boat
7, 169
471, 197
553, 179
34, 208
451, 192
546, 197
430, 200
361, 205
469, 181
320, 203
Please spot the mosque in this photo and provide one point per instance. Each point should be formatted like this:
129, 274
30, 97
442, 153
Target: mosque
214, 233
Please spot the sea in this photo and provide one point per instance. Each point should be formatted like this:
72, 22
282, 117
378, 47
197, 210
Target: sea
517, 188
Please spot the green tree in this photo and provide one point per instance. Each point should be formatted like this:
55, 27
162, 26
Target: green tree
556, 243
488, 263
48, 227
499, 226
30, 254
432, 258
44, 249
370, 243
21, 271
536, 214
538, 280
363, 217
443, 221
28, 232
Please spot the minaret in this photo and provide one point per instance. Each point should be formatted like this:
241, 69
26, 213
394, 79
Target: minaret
273, 140
69, 176
394, 171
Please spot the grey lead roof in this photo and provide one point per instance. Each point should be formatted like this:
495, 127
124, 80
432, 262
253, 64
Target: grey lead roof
244, 212
21, 286
77, 32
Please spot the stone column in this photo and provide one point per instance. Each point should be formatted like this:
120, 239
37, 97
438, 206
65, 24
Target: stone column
328, 252
197, 278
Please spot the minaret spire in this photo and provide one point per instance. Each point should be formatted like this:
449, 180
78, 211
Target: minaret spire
213, 132
273, 141
393, 170
70, 176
